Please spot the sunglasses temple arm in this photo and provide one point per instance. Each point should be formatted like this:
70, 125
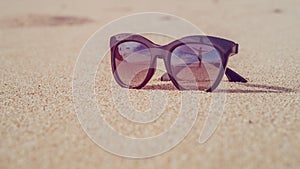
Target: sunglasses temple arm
231, 75
234, 77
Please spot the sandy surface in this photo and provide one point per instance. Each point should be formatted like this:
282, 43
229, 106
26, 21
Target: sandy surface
39, 45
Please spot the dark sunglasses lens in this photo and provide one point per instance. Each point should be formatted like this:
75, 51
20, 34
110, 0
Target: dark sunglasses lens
132, 61
195, 66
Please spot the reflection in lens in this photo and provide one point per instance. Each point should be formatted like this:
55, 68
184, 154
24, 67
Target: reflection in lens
132, 60
195, 66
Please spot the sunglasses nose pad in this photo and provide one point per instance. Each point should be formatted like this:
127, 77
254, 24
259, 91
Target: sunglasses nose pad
165, 77
160, 56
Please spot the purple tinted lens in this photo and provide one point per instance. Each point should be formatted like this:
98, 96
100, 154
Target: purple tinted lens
132, 60
195, 66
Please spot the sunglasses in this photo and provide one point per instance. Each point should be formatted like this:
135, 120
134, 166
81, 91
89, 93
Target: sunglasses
192, 62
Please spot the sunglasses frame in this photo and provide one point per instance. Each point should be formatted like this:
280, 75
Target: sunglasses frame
226, 48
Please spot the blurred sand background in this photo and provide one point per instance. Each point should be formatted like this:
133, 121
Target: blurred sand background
39, 45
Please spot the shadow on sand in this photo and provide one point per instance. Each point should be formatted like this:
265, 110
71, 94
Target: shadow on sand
253, 88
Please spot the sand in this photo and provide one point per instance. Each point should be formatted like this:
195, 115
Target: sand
40, 42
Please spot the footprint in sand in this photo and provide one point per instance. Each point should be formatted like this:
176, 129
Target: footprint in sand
42, 21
